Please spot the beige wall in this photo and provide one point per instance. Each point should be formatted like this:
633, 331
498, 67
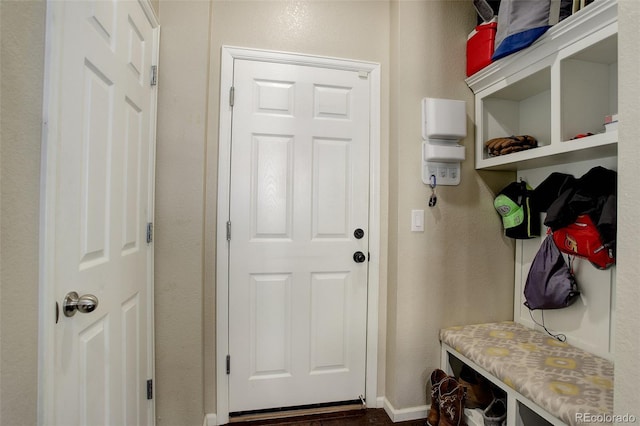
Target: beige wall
22, 67
627, 335
423, 52
179, 221
419, 57
440, 277
187, 158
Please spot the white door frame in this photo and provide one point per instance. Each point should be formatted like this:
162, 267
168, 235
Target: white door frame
47, 300
229, 54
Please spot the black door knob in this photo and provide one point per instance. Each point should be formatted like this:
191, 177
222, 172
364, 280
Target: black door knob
358, 233
359, 257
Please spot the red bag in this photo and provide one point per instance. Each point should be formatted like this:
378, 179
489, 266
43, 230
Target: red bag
583, 240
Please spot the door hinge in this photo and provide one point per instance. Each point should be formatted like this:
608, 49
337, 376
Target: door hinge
228, 364
229, 230
149, 232
232, 95
154, 75
150, 389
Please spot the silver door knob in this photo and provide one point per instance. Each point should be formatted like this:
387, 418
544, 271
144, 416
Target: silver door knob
72, 303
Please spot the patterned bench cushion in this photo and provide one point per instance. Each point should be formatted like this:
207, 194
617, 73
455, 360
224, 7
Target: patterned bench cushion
566, 381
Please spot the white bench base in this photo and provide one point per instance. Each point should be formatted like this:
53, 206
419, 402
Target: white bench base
514, 398
554, 382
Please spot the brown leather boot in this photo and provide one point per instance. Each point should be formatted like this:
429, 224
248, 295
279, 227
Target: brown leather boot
452, 396
437, 377
478, 389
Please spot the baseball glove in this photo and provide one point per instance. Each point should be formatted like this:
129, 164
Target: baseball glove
502, 146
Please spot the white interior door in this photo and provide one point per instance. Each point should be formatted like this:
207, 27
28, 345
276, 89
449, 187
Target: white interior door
299, 191
99, 170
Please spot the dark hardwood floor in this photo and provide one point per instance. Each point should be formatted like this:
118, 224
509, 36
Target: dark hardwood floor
371, 416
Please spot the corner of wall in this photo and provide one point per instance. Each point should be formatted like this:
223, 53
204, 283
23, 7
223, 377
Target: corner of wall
405, 414
210, 420
436, 277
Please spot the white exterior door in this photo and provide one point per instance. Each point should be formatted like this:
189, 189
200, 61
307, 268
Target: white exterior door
299, 209
98, 199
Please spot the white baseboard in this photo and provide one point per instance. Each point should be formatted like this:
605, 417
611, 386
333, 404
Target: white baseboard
404, 414
379, 402
210, 420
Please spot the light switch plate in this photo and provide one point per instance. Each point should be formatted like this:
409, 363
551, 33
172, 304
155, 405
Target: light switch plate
417, 220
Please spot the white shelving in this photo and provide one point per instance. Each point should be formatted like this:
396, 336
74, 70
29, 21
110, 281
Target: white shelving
561, 86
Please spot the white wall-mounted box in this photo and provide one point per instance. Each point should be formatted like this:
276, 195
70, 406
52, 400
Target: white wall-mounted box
443, 119
443, 152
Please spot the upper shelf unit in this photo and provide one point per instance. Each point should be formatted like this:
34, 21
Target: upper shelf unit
560, 87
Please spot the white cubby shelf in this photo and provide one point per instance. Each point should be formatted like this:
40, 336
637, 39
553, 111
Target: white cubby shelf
560, 87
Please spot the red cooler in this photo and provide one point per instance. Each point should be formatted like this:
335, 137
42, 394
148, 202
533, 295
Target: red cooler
480, 47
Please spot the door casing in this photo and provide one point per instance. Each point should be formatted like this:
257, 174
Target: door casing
229, 54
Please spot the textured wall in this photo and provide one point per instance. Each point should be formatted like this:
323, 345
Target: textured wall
22, 67
438, 266
627, 343
180, 170
420, 56
443, 276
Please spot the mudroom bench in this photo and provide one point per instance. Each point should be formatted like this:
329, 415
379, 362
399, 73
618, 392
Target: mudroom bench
558, 382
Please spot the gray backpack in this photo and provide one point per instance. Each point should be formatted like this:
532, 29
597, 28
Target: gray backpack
550, 283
